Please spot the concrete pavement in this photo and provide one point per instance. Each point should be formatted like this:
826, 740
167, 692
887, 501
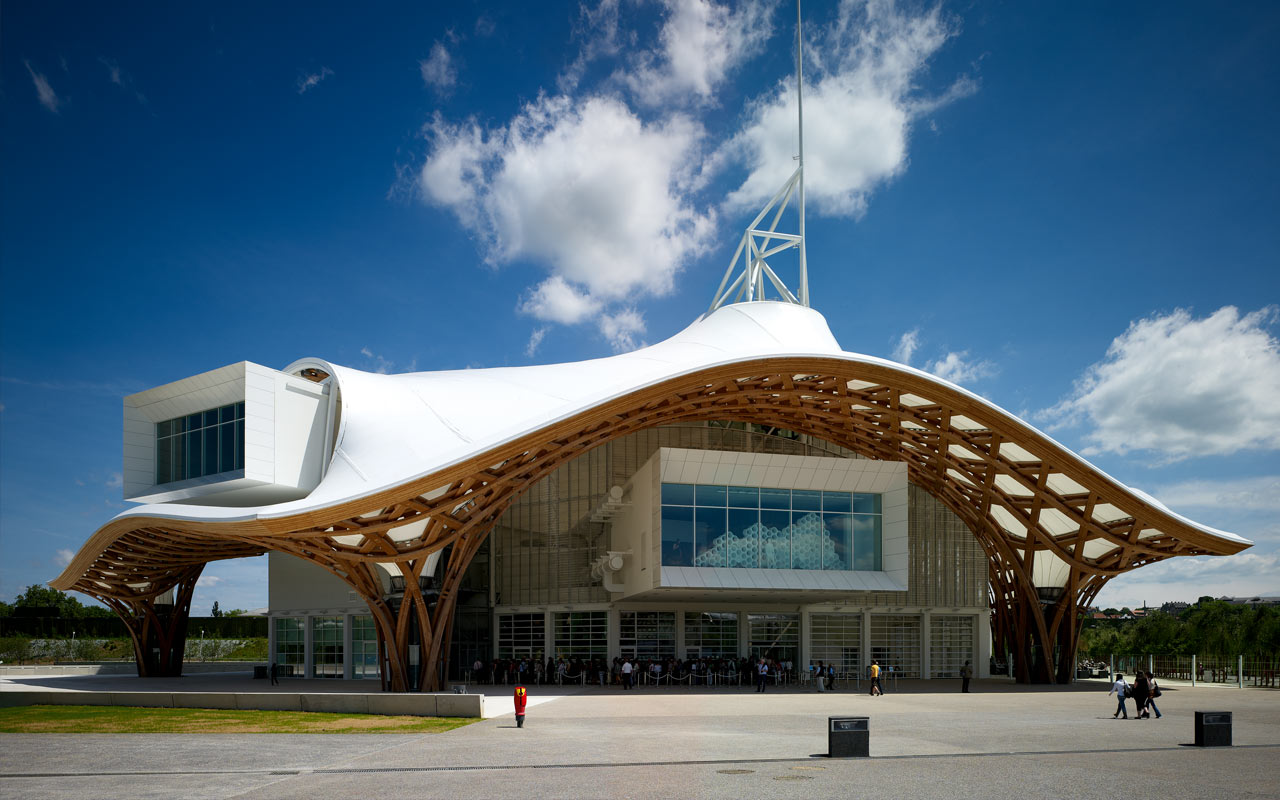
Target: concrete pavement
927, 740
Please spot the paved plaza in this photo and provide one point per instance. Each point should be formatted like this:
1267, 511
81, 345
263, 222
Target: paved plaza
927, 740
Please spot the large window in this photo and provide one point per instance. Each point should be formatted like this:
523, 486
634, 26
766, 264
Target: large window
290, 645
711, 634
326, 646
744, 526
895, 643
774, 636
582, 634
836, 639
950, 645
364, 648
521, 635
205, 443
647, 634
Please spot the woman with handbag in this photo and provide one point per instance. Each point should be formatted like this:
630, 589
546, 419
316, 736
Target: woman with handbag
1151, 697
1120, 688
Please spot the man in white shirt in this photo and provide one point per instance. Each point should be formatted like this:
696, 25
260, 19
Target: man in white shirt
626, 674
1121, 690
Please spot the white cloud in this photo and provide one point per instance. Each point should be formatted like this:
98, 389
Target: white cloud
535, 340
957, 367
860, 102
1180, 386
63, 557
48, 97
599, 32
309, 80
115, 480
622, 329
600, 185
584, 187
701, 43
119, 77
113, 70
1187, 578
438, 70
1260, 493
554, 300
906, 346
378, 364
235, 583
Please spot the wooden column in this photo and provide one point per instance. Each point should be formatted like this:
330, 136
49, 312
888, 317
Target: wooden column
158, 630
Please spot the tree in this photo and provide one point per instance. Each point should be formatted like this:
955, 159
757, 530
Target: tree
41, 601
216, 612
235, 612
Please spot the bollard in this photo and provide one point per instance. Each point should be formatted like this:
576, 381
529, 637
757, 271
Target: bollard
521, 698
848, 737
1213, 729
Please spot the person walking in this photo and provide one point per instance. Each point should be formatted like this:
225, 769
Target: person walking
1121, 690
762, 674
275, 674
875, 679
1152, 694
626, 674
1140, 690
966, 674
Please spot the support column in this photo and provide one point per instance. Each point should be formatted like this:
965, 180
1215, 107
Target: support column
158, 629
806, 635
613, 634
866, 643
926, 645
308, 648
982, 645
347, 624
680, 641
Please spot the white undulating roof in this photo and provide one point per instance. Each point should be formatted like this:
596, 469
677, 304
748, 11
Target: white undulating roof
396, 428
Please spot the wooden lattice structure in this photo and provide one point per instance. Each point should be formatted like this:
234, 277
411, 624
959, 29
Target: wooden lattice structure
1054, 528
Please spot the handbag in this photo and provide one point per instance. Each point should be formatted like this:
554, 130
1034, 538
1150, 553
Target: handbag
1156, 690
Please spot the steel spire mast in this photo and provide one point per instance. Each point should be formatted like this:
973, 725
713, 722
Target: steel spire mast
759, 242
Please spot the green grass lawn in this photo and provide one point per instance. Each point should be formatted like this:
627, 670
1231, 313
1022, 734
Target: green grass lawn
125, 719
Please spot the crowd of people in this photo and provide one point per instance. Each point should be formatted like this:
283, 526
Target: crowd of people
628, 672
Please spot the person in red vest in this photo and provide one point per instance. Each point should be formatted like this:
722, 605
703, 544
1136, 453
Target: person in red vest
522, 697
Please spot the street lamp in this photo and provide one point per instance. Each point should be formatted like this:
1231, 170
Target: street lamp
203, 657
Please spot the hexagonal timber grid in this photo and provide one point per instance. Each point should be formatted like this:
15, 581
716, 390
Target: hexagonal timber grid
1023, 496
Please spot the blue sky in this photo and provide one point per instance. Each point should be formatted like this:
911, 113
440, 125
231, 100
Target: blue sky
1067, 207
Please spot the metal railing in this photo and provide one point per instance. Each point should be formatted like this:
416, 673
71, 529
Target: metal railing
1237, 670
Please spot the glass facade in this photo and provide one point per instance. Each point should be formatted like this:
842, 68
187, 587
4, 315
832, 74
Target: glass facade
647, 634
326, 647
290, 645
364, 647
895, 643
744, 526
711, 634
775, 636
521, 635
836, 639
582, 634
200, 444
950, 645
